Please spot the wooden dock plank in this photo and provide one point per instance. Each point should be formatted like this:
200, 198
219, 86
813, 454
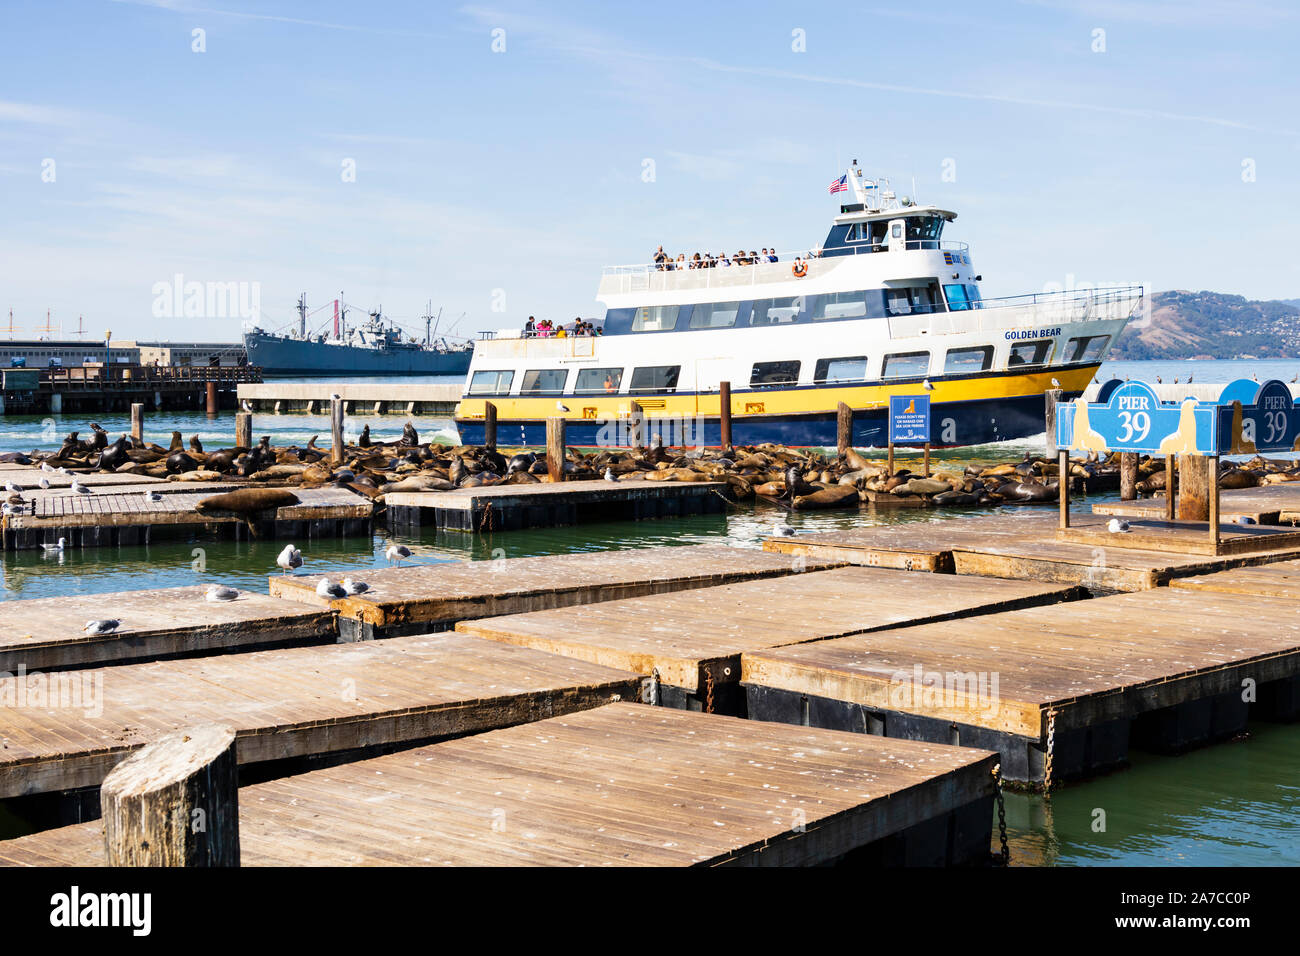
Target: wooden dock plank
1090, 661
1012, 546
688, 632
618, 785
1280, 580
1180, 537
46, 633
295, 702
1267, 504
431, 596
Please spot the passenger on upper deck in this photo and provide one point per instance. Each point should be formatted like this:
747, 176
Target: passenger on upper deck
530, 328
660, 258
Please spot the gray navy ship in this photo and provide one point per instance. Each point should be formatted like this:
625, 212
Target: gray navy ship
376, 347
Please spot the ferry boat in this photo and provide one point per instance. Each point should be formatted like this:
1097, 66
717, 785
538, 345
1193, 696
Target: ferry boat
885, 306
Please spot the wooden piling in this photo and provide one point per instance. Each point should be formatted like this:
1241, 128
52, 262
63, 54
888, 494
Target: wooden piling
490, 425
336, 429
1063, 485
1050, 398
1128, 470
175, 802
244, 430
137, 421
925, 462
212, 398
724, 413
555, 448
1212, 498
635, 425
889, 462
1193, 488
844, 429
1169, 487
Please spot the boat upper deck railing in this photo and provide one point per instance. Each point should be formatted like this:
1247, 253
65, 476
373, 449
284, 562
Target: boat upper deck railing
1034, 311
673, 276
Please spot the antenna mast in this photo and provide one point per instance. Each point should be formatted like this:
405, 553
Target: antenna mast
302, 316
343, 318
11, 330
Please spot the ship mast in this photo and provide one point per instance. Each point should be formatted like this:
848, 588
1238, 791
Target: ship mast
343, 318
11, 330
302, 316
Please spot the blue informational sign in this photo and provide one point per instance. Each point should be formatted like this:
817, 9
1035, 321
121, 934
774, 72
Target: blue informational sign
1258, 418
909, 419
1132, 418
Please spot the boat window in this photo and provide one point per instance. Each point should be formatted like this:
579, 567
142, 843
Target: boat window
599, 380
767, 374
491, 383
965, 361
714, 315
654, 318
846, 305
957, 301
618, 321
906, 365
776, 311
1029, 353
657, 378
543, 381
924, 228
911, 300
850, 369
1088, 349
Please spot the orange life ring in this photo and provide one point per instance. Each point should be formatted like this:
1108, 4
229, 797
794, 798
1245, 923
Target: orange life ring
800, 269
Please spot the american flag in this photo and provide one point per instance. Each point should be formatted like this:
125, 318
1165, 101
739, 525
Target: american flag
840, 185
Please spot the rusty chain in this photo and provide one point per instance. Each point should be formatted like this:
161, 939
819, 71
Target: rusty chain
1002, 816
708, 690
1051, 745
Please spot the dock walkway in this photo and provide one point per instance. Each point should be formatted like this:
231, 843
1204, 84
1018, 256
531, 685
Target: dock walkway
1163, 669
46, 633
421, 598
292, 703
693, 640
549, 505
620, 785
1267, 504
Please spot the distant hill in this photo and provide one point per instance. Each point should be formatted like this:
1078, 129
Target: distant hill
1210, 325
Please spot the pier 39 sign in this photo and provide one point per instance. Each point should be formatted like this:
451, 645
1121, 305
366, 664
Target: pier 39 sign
1129, 417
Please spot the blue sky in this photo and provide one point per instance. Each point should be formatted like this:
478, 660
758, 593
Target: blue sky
498, 184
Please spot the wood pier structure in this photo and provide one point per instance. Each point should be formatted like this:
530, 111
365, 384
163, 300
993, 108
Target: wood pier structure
618, 785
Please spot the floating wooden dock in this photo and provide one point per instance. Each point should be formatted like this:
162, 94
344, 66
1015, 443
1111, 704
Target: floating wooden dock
1267, 504
1180, 537
420, 598
1011, 546
29, 478
620, 785
1280, 580
113, 518
693, 640
549, 505
1163, 670
292, 703
46, 633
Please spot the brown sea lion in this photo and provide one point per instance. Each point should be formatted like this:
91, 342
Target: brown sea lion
248, 501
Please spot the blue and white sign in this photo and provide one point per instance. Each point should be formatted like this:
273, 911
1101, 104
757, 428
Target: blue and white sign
909, 419
1259, 418
1131, 417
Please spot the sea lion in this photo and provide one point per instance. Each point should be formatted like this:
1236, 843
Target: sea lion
177, 444
409, 435
114, 455
364, 440
196, 446
248, 501
836, 496
222, 459
795, 485
523, 462
101, 437
180, 462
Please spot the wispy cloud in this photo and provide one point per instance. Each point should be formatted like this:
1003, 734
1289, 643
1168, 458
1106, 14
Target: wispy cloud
179, 6
36, 114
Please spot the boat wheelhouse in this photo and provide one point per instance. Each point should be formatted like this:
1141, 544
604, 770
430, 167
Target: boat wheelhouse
885, 306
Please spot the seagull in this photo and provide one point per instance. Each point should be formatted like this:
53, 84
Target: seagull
561, 407
219, 592
244, 406
1117, 526
927, 386
1189, 380
327, 590
55, 547
1244, 519
1055, 384
78, 488
45, 466
609, 475
45, 482
290, 558
61, 470
11, 487
152, 496
396, 553
784, 529
355, 587
101, 627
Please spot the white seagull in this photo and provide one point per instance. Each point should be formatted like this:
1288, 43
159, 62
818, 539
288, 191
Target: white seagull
927, 386
396, 553
45, 482
101, 627
55, 547
561, 407
1055, 384
46, 466
609, 475
78, 488
355, 587
290, 559
1117, 526
152, 496
325, 589
11, 487
219, 592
